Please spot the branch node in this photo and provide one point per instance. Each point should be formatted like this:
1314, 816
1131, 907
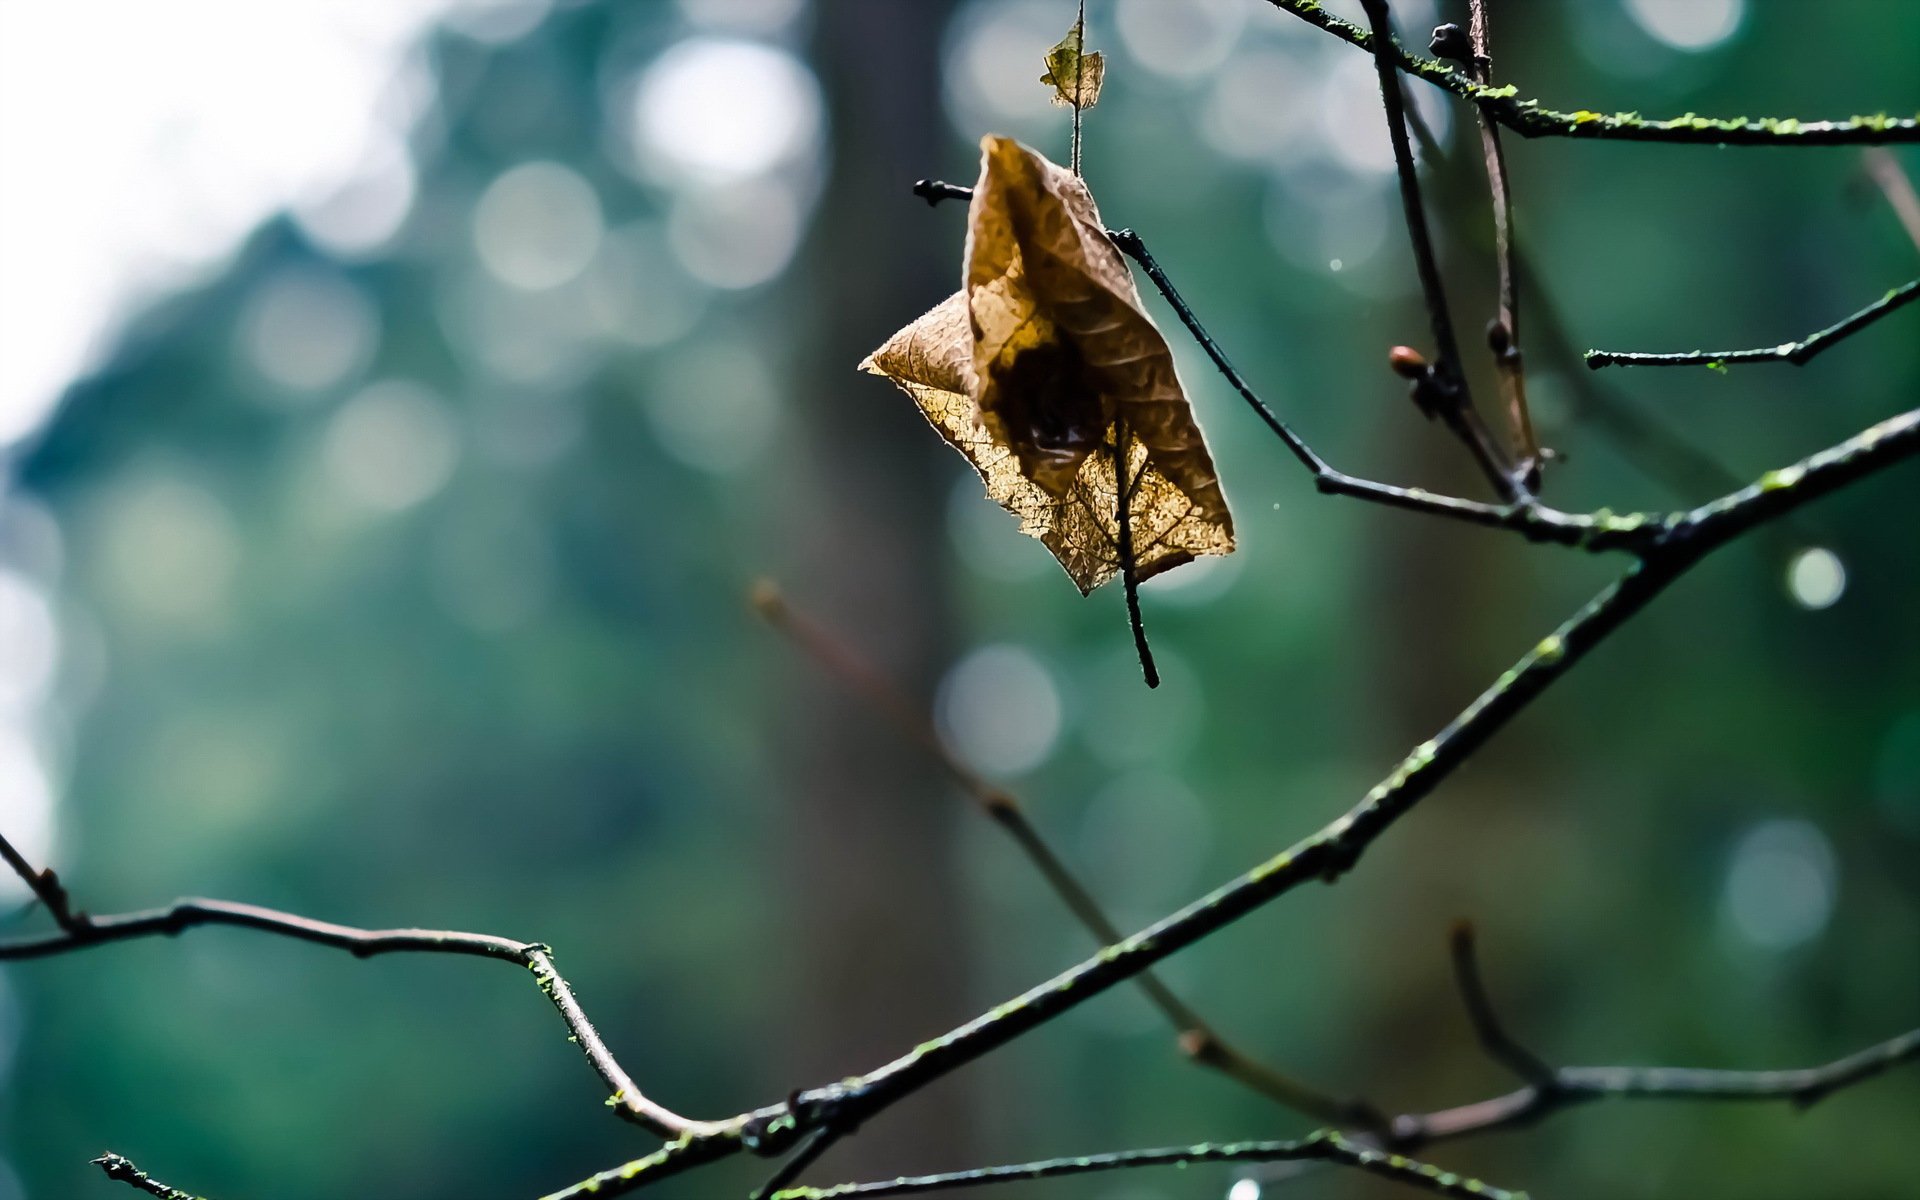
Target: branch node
1451, 42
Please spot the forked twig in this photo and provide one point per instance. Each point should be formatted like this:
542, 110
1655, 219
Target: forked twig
1552, 1089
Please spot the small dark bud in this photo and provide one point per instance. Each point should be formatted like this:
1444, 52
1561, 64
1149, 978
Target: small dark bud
1451, 41
1499, 340
1407, 362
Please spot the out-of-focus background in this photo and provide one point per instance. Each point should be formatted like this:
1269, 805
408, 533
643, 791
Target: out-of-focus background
398, 399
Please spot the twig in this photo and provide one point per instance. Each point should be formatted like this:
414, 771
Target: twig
627, 1099
1530, 119
1197, 1039
1503, 332
1796, 353
1443, 391
46, 888
1124, 483
1885, 171
1486, 1025
811, 1148
1570, 1086
1549, 1089
1324, 1146
121, 1170
1079, 79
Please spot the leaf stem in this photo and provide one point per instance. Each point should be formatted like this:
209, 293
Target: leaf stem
1079, 81
1124, 483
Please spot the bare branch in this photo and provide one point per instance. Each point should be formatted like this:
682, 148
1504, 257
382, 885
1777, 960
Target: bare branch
1486, 1025
1324, 1146
1796, 353
811, 1148
46, 888
1530, 119
1503, 332
1567, 1087
121, 1170
1885, 172
627, 1099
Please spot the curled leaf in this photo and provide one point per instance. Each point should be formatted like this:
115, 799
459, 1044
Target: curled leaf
1075, 74
1045, 371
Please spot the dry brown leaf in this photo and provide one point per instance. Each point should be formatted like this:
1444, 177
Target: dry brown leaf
1043, 363
1074, 76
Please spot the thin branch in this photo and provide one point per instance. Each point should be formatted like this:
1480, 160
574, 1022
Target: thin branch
46, 888
1324, 1146
121, 1170
1496, 161
1494, 1039
1503, 332
1549, 1089
811, 1148
1079, 78
627, 1100
675, 1158
1530, 119
1796, 353
1124, 483
1567, 1087
1442, 392
1197, 1039
1885, 172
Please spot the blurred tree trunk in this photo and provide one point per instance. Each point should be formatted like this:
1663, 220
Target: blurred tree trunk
875, 923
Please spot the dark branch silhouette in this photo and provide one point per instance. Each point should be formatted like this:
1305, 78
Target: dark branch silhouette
1796, 353
1323, 1146
120, 1170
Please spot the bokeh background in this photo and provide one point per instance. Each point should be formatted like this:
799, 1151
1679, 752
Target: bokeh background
399, 399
